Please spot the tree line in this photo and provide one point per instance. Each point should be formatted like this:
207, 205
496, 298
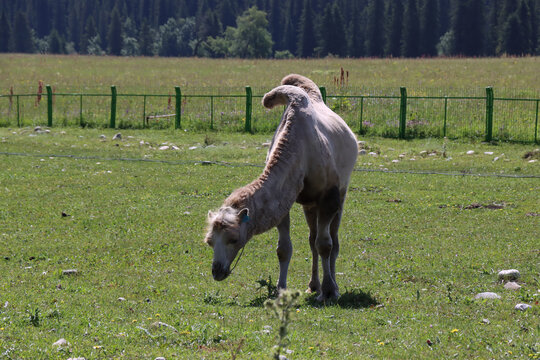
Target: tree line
272, 28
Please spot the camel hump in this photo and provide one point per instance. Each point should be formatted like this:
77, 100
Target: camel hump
303, 82
285, 95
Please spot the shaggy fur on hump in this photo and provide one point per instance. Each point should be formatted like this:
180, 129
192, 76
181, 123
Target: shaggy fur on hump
304, 83
282, 148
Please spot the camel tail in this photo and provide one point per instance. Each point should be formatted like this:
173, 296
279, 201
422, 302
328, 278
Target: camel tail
285, 95
304, 83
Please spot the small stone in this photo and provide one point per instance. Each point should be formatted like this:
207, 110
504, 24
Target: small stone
192, 147
486, 321
496, 158
511, 274
512, 286
395, 161
362, 152
424, 152
174, 147
117, 137
70, 272
374, 154
77, 358
141, 142
160, 358
121, 299
37, 129
532, 161
488, 152
487, 295
102, 136
470, 152
164, 147
60, 343
522, 307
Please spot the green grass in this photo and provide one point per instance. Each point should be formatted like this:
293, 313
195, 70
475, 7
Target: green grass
412, 255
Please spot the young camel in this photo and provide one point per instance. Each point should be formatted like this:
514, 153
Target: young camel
310, 161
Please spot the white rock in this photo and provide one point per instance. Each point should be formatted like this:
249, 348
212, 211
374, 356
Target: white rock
164, 147
121, 299
522, 307
512, 286
395, 161
77, 358
60, 343
117, 137
62, 133
496, 158
424, 152
374, 154
511, 274
470, 152
174, 147
160, 358
487, 295
70, 272
102, 136
192, 147
401, 156
488, 152
362, 152
533, 161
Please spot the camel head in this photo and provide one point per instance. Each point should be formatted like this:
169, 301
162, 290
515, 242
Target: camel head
227, 234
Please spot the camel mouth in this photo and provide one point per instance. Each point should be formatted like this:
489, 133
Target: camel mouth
219, 272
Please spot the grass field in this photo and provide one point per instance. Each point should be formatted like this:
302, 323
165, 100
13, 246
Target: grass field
414, 251
511, 78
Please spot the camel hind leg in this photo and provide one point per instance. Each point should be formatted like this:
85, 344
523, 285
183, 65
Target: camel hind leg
329, 207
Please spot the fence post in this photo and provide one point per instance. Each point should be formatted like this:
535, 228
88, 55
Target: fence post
18, 113
49, 105
361, 113
80, 111
489, 113
402, 112
536, 124
112, 125
248, 109
178, 96
323, 93
445, 115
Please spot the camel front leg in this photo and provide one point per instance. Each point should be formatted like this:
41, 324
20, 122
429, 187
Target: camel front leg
284, 250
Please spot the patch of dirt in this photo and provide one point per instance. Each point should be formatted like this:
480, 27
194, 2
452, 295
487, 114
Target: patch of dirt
492, 206
530, 155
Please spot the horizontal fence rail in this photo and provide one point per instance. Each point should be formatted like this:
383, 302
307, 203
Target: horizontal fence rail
402, 116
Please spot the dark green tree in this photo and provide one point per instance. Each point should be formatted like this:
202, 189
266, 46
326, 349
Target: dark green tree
356, 33
56, 43
375, 29
22, 34
306, 34
394, 29
410, 40
332, 32
145, 40
114, 35
429, 21
89, 32
468, 27
5, 34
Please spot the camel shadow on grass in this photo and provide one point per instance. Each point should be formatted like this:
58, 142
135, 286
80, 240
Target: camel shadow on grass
350, 299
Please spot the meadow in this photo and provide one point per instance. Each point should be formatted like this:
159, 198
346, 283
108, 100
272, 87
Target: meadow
428, 82
420, 238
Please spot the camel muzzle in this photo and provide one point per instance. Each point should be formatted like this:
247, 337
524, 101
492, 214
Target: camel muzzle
219, 272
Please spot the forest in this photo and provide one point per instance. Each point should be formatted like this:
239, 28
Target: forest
272, 28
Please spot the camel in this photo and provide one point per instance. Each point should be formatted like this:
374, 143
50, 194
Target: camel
310, 160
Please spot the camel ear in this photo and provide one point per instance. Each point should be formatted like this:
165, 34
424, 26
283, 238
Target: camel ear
243, 215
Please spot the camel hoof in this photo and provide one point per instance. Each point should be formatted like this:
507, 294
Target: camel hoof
328, 297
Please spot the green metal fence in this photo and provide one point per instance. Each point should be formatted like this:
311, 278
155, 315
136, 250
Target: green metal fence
400, 116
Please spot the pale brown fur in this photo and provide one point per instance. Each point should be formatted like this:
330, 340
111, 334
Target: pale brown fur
310, 161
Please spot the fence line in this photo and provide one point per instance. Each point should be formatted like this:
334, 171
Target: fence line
405, 122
